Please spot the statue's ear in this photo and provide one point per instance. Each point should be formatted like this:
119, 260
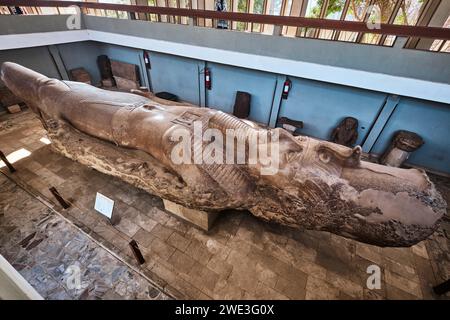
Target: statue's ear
355, 157
289, 140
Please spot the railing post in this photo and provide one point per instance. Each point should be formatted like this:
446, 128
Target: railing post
277, 30
131, 15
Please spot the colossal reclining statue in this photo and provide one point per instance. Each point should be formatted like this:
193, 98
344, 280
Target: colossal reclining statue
206, 159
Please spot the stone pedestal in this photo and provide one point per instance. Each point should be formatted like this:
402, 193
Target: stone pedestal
201, 219
402, 145
15, 108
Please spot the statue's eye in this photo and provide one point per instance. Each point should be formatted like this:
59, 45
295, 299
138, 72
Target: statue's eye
324, 156
148, 107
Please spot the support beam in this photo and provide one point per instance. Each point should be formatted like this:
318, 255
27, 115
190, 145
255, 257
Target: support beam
137, 252
59, 63
276, 101
380, 122
59, 198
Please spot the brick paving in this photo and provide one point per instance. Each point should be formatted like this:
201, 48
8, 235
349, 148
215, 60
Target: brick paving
241, 257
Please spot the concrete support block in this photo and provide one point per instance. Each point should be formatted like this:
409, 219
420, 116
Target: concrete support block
201, 219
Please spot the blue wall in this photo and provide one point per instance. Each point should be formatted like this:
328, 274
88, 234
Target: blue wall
84, 54
428, 119
321, 106
37, 58
176, 75
128, 55
226, 80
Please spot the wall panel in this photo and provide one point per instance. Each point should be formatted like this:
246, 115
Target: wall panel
226, 80
321, 106
37, 58
431, 121
82, 55
176, 75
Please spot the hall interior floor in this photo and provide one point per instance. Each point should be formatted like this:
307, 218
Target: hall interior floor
240, 258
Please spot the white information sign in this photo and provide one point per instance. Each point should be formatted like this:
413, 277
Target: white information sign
104, 205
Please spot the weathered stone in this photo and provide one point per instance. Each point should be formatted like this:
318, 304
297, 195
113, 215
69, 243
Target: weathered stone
162, 232
15, 108
302, 247
143, 238
412, 287
263, 292
182, 262
161, 248
420, 249
44, 257
127, 226
322, 186
293, 288
219, 266
353, 289
199, 252
319, 289
368, 252
178, 241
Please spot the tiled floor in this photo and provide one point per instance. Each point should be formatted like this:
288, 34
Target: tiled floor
50, 252
241, 257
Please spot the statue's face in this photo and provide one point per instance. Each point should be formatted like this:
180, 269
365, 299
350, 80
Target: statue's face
319, 156
350, 124
327, 157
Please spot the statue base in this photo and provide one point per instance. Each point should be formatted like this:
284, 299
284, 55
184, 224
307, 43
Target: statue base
201, 219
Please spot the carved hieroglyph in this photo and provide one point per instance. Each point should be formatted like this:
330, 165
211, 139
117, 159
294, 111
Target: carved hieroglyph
317, 185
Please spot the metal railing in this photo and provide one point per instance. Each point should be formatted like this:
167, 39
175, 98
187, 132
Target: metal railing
384, 29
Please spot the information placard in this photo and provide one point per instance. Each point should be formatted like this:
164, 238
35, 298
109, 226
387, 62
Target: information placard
104, 205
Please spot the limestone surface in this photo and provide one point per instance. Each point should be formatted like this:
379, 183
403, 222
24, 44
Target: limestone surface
316, 185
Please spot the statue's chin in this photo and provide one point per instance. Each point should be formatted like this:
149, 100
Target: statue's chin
403, 202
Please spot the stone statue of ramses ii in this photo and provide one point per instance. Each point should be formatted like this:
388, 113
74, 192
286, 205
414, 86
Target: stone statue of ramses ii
205, 159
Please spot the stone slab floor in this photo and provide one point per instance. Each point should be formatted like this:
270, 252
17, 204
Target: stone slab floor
49, 252
240, 258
